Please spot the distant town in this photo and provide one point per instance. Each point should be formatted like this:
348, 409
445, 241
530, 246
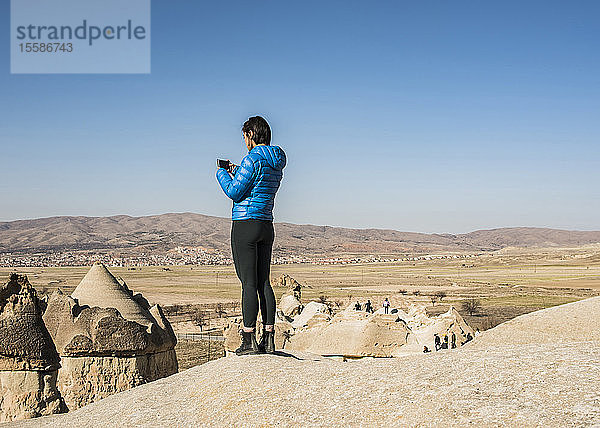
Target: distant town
181, 256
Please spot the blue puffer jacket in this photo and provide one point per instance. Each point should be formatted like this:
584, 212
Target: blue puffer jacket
254, 183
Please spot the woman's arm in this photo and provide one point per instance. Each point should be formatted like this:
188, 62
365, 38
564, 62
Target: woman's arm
236, 187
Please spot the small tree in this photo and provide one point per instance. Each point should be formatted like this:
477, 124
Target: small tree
417, 292
402, 291
323, 299
471, 305
433, 299
440, 295
220, 311
199, 319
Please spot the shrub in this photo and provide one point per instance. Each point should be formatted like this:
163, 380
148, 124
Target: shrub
199, 319
471, 305
219, 310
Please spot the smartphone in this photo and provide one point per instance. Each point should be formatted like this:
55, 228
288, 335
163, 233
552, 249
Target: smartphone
223, 164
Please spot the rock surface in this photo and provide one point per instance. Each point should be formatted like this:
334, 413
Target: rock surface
311, 310
29, 394
109, 339
89, 379
293, 286
354, 334
423, 328
28, 357
289, 305
542, 369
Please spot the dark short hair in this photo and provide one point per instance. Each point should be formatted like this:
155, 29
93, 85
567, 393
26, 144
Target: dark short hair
261, 131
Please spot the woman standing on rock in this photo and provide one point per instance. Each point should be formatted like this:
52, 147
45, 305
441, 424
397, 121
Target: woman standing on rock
252, 187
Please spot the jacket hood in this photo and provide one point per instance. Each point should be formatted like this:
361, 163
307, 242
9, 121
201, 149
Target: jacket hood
274, 155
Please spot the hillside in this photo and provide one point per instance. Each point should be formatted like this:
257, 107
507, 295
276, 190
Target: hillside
540, 369
160, 233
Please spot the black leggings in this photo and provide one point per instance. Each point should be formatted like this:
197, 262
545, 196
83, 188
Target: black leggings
251, 244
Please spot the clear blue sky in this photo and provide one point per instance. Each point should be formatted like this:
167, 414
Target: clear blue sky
419, 116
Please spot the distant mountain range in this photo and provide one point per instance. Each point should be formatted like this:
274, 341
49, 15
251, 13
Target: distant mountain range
159, 233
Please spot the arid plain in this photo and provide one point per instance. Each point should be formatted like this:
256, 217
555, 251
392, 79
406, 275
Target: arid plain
509, 280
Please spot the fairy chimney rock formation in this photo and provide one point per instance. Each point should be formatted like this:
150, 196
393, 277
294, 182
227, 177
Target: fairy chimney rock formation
100, 288
109, 339
29, 362
293, 286
290, 304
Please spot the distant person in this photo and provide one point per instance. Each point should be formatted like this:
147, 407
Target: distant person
252, 186
357, 306
437, 341
445, 342
426, 349
469, 337
453, 340
368, 307
386, 305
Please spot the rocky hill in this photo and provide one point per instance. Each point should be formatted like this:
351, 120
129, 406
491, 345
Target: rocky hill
539, 369
160, 233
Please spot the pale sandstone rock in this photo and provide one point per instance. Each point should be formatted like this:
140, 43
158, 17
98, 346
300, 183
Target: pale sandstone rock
85, 380
355, 334
28, 394
28, 358
423, 328
104, 351
289, 305
231, 334
293, 286
311, 310
358, 333
100, 288
318, 319
538, 370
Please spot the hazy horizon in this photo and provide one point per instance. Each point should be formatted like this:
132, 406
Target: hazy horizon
347, 226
